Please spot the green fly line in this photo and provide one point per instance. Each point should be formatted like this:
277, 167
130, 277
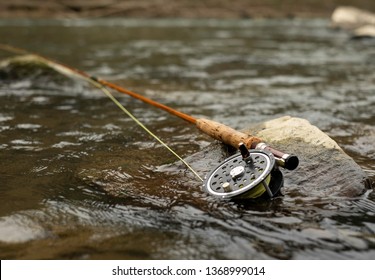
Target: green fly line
130, 115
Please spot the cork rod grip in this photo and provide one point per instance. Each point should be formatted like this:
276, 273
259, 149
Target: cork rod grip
233, 138
226, 134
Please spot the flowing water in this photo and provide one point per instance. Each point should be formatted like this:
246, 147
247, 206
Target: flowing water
61, 140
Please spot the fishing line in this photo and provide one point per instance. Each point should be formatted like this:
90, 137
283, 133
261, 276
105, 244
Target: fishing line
130, 115
93, 81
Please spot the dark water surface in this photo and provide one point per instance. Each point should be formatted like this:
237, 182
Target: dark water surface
57, 135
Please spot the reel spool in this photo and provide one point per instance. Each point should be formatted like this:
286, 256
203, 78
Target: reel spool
247, 175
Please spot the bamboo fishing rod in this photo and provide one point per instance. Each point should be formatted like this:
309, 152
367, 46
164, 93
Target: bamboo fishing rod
246, 175
216, 130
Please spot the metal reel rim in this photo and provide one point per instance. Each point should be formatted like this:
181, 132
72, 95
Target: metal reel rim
241, 191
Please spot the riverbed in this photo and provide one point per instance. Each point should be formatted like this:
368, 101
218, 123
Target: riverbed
57, 135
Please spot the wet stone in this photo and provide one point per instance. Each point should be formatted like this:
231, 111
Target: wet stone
324, 169
31, 68
360, 23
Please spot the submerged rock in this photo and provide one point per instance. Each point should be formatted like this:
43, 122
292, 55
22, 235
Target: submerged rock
365, 31
32, 72
361, 23
32, 68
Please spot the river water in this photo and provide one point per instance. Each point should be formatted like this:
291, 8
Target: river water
61, 140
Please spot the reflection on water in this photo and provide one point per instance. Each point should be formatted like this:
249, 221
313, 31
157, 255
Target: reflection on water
57, 137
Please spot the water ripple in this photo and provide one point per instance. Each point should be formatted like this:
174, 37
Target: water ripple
77, 174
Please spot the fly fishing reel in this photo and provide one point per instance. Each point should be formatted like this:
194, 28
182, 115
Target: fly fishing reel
249, 174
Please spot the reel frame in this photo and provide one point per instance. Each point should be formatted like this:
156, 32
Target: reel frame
245, 175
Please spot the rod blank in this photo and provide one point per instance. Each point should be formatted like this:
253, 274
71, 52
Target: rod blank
216, 130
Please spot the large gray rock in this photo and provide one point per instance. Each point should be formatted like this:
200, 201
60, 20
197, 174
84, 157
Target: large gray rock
325, 169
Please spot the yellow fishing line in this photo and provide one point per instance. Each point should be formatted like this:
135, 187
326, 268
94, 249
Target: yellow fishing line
109, 94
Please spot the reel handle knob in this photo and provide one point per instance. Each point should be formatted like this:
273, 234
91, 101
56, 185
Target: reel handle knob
244, 151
